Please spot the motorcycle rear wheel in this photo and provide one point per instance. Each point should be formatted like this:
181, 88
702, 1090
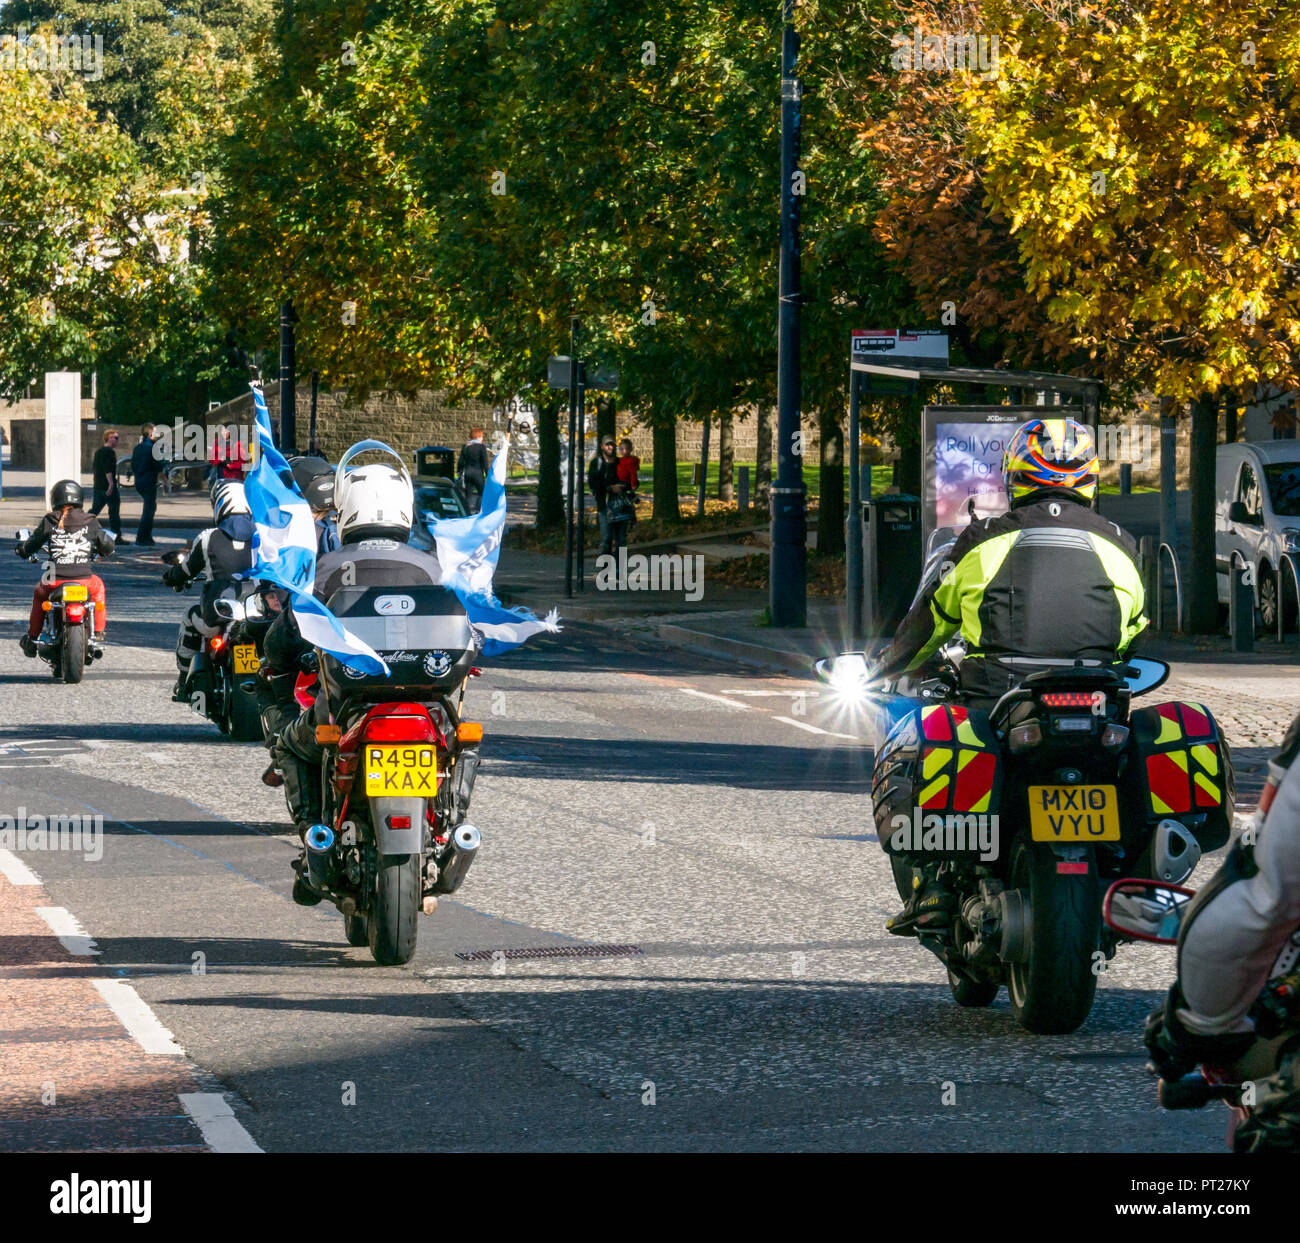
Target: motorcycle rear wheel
1053, 990
73, 656
395, 909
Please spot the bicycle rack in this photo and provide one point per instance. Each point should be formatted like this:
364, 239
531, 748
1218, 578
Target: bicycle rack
1160, 589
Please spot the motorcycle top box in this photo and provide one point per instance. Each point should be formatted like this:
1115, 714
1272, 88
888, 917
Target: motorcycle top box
421, 632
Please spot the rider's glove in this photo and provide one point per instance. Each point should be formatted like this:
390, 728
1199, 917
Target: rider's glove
308, 662
1176, 1052
176, 578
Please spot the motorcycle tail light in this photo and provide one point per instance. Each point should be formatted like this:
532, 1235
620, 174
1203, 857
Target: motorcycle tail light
76, 612
399, 822
217, 642
1066, 699
1114, 737
1025, 737
400, 729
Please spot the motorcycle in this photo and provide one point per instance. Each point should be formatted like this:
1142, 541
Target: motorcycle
398, 768
1029, 807
221, 684
1262, 1087
67, 641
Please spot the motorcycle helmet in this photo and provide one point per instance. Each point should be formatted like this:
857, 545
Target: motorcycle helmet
66, 492
229, 500
374, 501
1050, 453
315, 479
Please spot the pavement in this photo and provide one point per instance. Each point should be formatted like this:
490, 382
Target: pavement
672, 938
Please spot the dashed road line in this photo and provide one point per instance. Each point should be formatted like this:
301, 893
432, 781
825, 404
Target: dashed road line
72, 936
814, 729
15, 871
214, 1117
140, 1021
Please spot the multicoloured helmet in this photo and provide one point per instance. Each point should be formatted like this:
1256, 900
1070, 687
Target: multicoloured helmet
1050, 453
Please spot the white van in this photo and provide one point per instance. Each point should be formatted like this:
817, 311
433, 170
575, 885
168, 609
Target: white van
1257, 515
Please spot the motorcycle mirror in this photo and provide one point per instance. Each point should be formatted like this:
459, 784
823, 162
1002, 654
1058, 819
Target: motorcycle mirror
1144, 675
231, 610
174, 556
1146, 910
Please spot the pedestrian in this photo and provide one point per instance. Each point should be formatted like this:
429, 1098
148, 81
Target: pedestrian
226, 461
104, 468
629, 465
608, 491
146, 468
473, 468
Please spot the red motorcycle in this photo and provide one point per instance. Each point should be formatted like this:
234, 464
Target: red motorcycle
67, 641
398, 768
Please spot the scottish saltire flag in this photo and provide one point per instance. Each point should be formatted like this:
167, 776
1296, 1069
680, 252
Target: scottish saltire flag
284, 549
467, 550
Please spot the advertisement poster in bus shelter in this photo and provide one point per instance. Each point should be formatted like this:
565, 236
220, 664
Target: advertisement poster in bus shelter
963, 461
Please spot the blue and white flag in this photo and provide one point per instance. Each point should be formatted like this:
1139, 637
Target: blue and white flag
468, 549
284, 550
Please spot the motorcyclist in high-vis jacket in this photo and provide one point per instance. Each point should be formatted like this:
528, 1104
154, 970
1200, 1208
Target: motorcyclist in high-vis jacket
1047, 582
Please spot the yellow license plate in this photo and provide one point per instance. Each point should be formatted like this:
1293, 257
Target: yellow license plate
401, 771
246, 658
75, 591
1073, 814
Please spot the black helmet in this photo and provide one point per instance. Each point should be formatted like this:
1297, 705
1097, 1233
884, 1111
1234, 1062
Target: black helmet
66, 492
315, 479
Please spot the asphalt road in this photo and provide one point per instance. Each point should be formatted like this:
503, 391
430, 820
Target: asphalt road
711, 823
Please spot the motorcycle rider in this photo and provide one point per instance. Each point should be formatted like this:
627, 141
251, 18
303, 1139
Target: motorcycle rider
223, 551
314, 477
1047, 582
74, 538
1231, 935
376, 504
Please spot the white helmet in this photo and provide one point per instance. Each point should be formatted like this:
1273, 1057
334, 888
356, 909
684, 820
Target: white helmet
375, 501
229, 499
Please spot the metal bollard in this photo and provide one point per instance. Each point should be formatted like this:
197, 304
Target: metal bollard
742, 488
1241, 609
1125, 478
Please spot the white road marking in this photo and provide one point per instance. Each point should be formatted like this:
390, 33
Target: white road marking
135, 1015
731, 703
791, 694
16, 872
98, 744
73, 937
813, 729
159, 757
222, 1131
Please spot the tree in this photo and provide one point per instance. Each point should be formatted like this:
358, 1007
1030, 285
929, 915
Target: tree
1159, 218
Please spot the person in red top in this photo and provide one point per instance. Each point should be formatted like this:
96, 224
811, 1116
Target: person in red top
226, 461
628, 465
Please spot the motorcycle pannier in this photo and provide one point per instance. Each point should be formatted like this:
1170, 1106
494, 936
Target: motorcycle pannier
421, 632
938, 760
1184, 770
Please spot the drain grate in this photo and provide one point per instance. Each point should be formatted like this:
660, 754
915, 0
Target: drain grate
552, 951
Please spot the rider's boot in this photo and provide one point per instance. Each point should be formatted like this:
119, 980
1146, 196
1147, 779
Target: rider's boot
930, 908
28, 644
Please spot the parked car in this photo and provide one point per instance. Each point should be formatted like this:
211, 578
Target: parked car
1257, 517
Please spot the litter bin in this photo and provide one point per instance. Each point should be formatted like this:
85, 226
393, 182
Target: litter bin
894, 559
437, 461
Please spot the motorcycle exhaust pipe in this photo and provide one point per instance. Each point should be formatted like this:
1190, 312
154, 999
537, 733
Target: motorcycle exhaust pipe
464, 846
1175, 852
320, 856
466, 770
